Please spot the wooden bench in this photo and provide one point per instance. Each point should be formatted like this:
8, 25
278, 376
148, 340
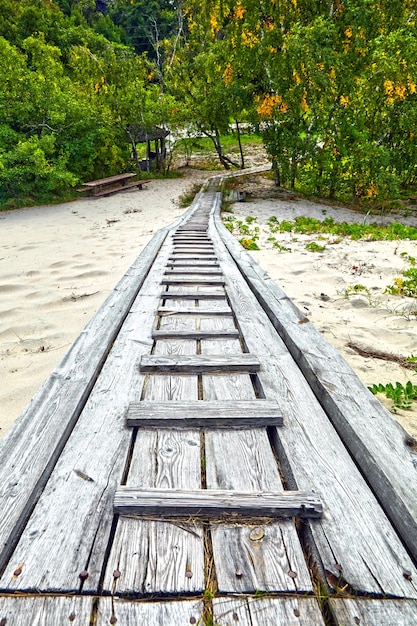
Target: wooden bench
112, 184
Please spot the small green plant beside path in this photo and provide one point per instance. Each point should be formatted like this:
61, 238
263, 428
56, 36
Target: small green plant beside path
402, 396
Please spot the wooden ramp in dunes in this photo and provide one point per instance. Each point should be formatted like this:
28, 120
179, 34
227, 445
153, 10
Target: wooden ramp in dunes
203, 456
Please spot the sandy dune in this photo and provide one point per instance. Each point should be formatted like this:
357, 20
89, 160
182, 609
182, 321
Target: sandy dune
59, 263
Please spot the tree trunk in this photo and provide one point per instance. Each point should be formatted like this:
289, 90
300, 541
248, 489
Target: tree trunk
242, 156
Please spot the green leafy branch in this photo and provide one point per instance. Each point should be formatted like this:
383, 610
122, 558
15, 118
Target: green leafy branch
402, 396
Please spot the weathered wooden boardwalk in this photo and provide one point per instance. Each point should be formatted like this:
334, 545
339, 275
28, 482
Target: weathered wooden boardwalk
203, 456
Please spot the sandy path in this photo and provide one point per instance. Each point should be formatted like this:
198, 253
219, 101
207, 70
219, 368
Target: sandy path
359, 326
59, 263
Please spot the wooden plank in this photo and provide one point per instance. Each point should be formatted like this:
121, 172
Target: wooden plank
46, 611
193, 295
53, 412
195, 280
295, 611
262, 562
193, 311
110, 179
366, 550
194, 334
216, 503
198, 363
204, 414
161, 557
197, 251
171, 613
376, 441
192, 257
61, 540
373, 612
194, 270
193, 263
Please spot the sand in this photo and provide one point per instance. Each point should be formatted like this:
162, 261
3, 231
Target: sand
58, 264
372, 329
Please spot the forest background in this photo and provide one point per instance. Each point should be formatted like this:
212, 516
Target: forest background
330, 86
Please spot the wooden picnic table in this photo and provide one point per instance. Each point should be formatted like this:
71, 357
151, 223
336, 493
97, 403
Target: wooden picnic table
112, 184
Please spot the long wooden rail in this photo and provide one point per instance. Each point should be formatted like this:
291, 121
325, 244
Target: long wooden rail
199, 375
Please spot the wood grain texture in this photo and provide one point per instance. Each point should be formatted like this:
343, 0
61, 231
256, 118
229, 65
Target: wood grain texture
191, 257
192, 280
215, 503
194, 271
366, 550
198, 363
193, 311
373, 612
31, 448
47, 611
194, 295
174, 613
262, 562
155, 557
376, 441
194, 334
204, 414
297, 611
90, 467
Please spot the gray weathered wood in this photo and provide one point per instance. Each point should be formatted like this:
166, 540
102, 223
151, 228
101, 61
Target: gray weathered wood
90, 467
200, 249
366, 550
194, 311
194, 280
193, 270
46, 611
171, 613
157, 557
204, 414
191, 257
192, 263
263, 556
217, 503
50, 417
295, 611
194, 334
194, 295
198, 363
376, 441
373, 612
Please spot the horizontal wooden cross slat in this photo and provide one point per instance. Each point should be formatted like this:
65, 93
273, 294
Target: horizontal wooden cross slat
183, 256
195, 295
195, 334
192, 269
205, 414
209, 503
203, 280
199, 363
196, 311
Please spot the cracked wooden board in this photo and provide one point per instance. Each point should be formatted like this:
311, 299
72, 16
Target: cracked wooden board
87, 472
357, 547
52, 414
247, 557
296, 611
151, 556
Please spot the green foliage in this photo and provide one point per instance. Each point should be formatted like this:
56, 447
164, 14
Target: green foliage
402, 287
354, 290
238, 228
370, 232
402, 396
312, 246
249, 243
